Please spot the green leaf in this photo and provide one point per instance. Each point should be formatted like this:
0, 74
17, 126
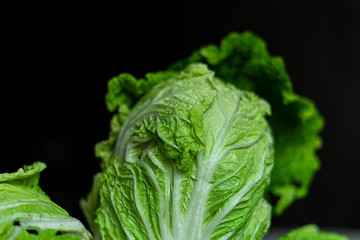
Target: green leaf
311, 232
26, 212
192, 161
123, 93
27, 176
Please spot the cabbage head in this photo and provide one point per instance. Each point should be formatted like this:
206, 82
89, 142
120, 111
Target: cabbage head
192, 161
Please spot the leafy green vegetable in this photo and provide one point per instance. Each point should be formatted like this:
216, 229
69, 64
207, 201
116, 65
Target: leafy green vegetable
26, 212
192, 161
192, 153
243, 60
311, 232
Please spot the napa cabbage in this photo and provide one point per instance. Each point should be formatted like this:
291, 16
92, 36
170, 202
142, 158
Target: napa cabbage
200, 150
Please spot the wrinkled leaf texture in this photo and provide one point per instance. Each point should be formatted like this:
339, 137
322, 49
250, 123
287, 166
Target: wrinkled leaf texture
192, 161
243, 60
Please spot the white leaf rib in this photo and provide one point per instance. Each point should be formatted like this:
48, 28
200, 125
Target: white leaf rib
194, 216
228, 235
14, 205
70, 225
222, 200
15, 233
231, 175
256, 229
157, 163
238, 146
140, 211
163, 228
176, 216
167, 192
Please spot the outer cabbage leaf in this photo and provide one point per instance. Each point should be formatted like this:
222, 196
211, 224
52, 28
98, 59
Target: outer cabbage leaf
311, 232
27, 176
192, 161
26, 212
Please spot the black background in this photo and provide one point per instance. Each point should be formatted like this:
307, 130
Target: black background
56, 63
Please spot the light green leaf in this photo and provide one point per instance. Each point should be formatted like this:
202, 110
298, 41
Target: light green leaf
27, 176
192, 161
26, 212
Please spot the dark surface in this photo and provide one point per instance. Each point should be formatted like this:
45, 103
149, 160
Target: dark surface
58, 63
